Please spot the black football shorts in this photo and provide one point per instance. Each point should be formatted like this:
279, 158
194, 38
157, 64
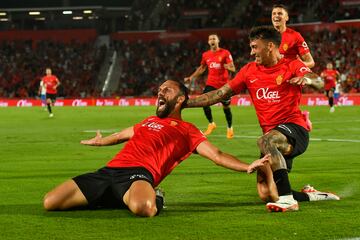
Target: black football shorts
106, 187
297, 136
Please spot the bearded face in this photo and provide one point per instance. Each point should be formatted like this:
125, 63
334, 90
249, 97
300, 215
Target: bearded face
165, 107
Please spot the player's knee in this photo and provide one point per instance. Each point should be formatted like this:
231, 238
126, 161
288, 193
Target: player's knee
265, 143
271, 140
143, 208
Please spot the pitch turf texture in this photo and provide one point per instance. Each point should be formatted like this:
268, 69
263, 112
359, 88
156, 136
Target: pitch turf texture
203, 201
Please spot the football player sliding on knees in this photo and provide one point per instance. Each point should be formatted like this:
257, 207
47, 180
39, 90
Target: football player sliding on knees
154, 147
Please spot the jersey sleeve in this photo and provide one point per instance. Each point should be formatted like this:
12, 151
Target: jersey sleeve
195, 137
203, 59
301, 45
228, 58
238, 82
298, 68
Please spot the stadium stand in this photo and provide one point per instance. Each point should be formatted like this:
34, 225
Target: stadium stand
22, 66
145, 63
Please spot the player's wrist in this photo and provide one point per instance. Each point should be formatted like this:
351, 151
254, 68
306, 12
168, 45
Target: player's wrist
307, 80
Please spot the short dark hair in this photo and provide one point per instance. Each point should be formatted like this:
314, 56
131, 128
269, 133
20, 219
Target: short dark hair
281, 6
183, 91
267, 33
218, 36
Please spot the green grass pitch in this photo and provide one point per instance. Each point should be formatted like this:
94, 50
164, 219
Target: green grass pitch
203, 201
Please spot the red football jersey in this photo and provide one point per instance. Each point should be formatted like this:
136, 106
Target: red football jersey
159, 145
276, 101
217, 74
329, 77
292, 44
50, 82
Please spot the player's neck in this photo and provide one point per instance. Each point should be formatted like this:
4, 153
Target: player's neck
281, 28
175, 115
215, 49
275, 60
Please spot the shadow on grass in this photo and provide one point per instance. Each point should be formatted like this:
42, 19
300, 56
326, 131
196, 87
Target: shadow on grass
174, 207
37, 210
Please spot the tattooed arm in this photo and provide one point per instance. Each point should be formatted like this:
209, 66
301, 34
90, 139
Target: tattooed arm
210, 98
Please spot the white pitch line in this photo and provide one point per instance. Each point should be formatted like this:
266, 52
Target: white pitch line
355, 238
101, 130
244, 136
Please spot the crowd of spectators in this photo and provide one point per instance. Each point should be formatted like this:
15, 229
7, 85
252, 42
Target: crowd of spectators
22, 65
179, 14
332, 10
253, 12
145, 64
342, 48
135, 19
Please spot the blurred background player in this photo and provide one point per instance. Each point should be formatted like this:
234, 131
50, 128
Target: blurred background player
218, 61
330, 77
293, 45
51, 83
337, 93
42, 93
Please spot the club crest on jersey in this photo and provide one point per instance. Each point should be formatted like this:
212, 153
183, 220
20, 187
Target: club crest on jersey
279, 79
220, 58
285, 47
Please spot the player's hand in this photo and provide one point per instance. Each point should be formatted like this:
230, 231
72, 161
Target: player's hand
227, 66
95, 141
258, 163
187, 79
297, 81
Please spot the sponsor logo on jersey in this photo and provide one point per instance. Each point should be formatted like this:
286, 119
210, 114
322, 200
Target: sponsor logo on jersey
153, 126
264, 93
279, 79
215, 65
285, 47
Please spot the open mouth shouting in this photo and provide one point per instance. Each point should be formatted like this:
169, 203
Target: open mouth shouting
161, 103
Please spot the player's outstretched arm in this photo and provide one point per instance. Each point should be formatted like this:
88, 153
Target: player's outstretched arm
308, 60
230, 66
208, 150
210, 98
311, 79
113, 139
200, 70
